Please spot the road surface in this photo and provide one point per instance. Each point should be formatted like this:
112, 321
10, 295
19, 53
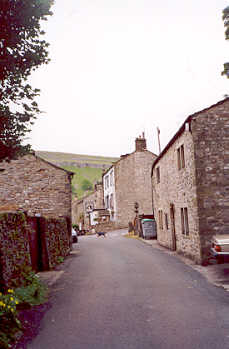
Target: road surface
119, 293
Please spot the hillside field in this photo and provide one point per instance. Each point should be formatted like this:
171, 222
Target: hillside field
92, 174
92, 167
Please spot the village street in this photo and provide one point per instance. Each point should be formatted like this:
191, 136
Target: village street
118, 293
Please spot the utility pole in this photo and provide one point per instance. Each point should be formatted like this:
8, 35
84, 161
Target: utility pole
158, 137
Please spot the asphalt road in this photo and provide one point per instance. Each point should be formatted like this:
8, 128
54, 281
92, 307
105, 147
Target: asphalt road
119, 293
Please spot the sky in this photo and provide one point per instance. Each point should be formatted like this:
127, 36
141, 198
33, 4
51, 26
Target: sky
122, 67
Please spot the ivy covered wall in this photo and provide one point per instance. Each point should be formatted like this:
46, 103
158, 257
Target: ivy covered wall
37, 242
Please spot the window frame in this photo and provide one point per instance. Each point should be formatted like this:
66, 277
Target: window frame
166, 221
158, 175
160, 220
184, 221
180, 157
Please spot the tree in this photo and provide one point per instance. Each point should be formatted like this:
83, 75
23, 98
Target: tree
22, 50
226, 25
86, 185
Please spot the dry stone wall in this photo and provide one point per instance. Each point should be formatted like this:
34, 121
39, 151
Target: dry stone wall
19, 249
14, 248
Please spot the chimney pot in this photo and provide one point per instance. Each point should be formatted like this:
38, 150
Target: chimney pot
140, 144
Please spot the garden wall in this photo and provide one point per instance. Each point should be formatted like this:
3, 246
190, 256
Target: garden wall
38, 242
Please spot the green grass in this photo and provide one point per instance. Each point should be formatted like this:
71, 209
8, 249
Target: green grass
93, 174
56, 157
90, 173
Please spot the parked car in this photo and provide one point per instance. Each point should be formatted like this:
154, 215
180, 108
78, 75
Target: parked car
74, 236
220, 247
149, 228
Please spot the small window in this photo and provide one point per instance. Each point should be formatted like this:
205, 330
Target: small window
184, 221
112, 201
166, 221
180, 157
160, 214
111, 179
107, 201
158, 174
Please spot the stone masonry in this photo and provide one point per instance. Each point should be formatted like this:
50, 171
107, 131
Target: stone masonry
83, 206
133, 183
36, 186
200, 187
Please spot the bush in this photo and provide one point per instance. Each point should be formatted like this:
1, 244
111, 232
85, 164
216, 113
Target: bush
10, 325
86, 185
31, 292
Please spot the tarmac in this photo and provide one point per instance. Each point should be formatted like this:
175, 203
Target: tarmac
216, 274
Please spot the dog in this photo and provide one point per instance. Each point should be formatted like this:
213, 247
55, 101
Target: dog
100, 233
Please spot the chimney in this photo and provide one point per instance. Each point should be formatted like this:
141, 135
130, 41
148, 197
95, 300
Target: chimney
140, 143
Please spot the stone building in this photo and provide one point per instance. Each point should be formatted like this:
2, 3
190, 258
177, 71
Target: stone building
128, 181
83, 207
35, 186
190, 181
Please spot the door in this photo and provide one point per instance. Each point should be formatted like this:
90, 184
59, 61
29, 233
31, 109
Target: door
173, 230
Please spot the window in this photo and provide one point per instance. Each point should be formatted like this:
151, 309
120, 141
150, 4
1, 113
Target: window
160, 219
112, 201
166, 221
106, 182
184, 221
107, 201
158, 174
180, 157
112, 178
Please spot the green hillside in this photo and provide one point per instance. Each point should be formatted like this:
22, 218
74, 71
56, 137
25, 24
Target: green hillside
58, 157
87, 168
93, 175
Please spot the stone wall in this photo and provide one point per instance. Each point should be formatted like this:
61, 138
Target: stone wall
55, 241
133, 184
177, 188
211, 138
202, 186
36, 186
38, 244
14, 247
104, 227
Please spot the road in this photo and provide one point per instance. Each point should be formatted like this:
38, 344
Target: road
119, 293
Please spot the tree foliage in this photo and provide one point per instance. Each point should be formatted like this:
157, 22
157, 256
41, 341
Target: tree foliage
86, 185
226, 25
22, 50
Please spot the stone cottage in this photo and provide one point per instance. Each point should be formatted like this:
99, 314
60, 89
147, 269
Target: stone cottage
36, 186
83, 207
190, 181
128, 181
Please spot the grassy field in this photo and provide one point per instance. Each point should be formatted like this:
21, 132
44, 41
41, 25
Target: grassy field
58, 157
90, 173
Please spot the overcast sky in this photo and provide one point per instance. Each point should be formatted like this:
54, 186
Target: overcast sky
121, 67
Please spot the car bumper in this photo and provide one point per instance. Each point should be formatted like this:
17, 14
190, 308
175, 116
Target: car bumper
215, 253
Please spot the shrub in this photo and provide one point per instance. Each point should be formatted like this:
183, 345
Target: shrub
33, 291
10, 325
86, 185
